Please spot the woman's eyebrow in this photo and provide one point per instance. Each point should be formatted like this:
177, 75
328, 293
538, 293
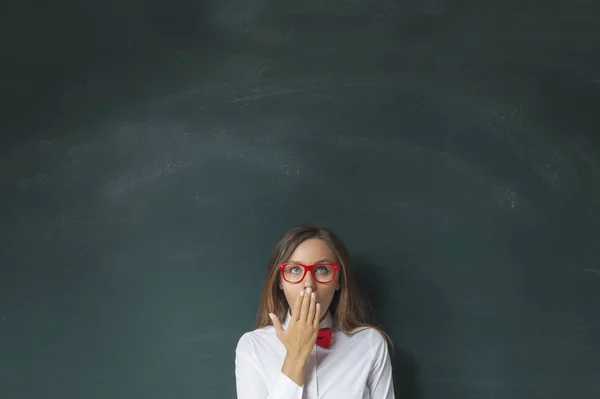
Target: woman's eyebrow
324, 260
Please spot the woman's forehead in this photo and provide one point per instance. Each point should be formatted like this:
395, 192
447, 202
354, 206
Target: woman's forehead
312, 251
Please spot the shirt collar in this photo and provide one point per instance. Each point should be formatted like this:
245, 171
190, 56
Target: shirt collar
326, 322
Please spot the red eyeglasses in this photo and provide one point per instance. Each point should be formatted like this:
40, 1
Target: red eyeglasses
321, 272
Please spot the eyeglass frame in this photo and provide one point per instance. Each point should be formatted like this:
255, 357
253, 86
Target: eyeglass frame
308, 268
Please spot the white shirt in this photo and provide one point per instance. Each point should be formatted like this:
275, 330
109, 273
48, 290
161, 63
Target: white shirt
353, 367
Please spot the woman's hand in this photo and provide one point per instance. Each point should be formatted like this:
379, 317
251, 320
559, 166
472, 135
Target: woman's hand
301, 334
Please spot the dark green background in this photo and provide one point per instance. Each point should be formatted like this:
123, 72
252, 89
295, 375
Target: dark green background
153, 152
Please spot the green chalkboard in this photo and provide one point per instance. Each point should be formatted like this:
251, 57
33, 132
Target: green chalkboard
152, 153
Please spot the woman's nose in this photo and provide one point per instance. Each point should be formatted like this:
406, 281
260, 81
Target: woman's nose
309, 282
312, 287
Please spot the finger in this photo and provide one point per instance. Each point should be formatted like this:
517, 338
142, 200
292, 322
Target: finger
305, 305
276, 323
317, 315
311, 308
296, 309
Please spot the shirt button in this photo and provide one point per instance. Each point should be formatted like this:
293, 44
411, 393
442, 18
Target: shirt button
311, 378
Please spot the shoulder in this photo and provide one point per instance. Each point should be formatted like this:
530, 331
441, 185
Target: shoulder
371, 341
364, 345
368, 335
251, 340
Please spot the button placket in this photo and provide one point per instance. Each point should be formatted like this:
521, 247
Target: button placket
316, 380
310, 378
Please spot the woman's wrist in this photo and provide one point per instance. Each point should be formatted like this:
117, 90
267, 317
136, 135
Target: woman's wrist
293, 366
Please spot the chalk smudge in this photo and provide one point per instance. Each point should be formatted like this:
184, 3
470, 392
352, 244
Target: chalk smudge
508, 198
183, 150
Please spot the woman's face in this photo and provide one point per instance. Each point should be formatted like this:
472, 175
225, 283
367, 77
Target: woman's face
310, 252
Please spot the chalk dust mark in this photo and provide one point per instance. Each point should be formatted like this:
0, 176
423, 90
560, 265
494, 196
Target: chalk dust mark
595, 272
508, 198
581, 325
399, 204
277, 93
86, 223
210, 336
181, 95
177, 151
254, 97
488, 384
40, 178
436, 7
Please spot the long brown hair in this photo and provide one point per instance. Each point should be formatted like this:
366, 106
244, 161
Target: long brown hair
347, 306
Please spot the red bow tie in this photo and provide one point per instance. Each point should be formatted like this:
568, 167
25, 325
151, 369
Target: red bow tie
324, 337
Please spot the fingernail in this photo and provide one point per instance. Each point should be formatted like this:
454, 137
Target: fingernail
302, 293
271, 316
314, 294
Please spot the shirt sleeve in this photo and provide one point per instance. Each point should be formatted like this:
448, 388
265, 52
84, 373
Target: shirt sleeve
380, 380
250, 383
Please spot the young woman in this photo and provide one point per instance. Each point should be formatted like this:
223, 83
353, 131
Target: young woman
311, 340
